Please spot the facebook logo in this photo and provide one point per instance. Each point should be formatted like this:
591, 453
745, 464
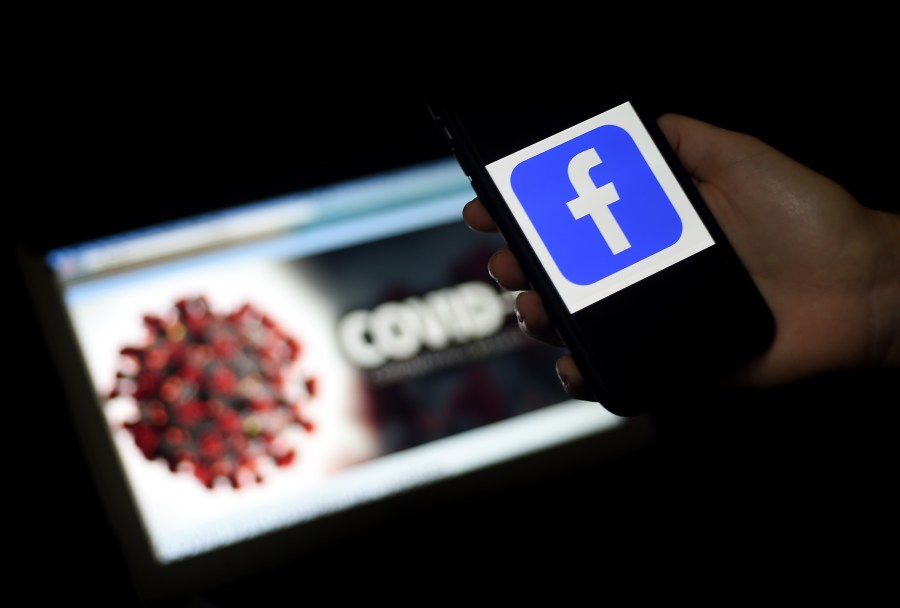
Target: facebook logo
596, 204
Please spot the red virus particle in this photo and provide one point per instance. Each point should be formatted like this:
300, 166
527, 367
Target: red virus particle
212, 392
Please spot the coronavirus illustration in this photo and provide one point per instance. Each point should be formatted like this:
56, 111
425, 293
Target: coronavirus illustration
215, 392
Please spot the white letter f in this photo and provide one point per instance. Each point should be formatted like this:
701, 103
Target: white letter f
595, 201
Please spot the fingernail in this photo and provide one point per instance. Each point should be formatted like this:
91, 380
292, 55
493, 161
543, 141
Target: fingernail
491, 272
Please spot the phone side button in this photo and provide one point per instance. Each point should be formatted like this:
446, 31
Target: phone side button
461, 163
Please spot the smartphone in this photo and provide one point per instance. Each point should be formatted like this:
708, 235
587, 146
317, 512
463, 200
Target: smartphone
643, 287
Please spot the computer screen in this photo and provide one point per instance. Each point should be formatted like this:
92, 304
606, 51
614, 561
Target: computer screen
267, 365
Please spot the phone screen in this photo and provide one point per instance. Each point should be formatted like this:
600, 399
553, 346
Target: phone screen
600, 206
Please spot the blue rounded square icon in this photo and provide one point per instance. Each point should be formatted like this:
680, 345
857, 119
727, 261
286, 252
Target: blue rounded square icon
596, 204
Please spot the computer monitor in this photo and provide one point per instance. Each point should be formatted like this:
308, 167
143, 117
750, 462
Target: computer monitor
243, 377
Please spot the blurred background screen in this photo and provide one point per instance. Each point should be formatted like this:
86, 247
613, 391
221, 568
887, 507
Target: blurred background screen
253, 372
274, 363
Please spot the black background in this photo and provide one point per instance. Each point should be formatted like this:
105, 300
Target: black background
799, 478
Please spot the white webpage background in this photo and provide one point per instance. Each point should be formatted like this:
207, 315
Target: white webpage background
694, 237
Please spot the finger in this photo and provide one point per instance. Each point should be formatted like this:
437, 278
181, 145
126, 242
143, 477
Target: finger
533, 319
504, 268
477, 217
571, 379
705, 150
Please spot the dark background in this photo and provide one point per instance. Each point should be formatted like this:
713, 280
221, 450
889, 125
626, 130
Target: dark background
800, 477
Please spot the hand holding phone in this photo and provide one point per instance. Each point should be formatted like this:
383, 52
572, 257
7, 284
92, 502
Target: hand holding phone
632, 268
